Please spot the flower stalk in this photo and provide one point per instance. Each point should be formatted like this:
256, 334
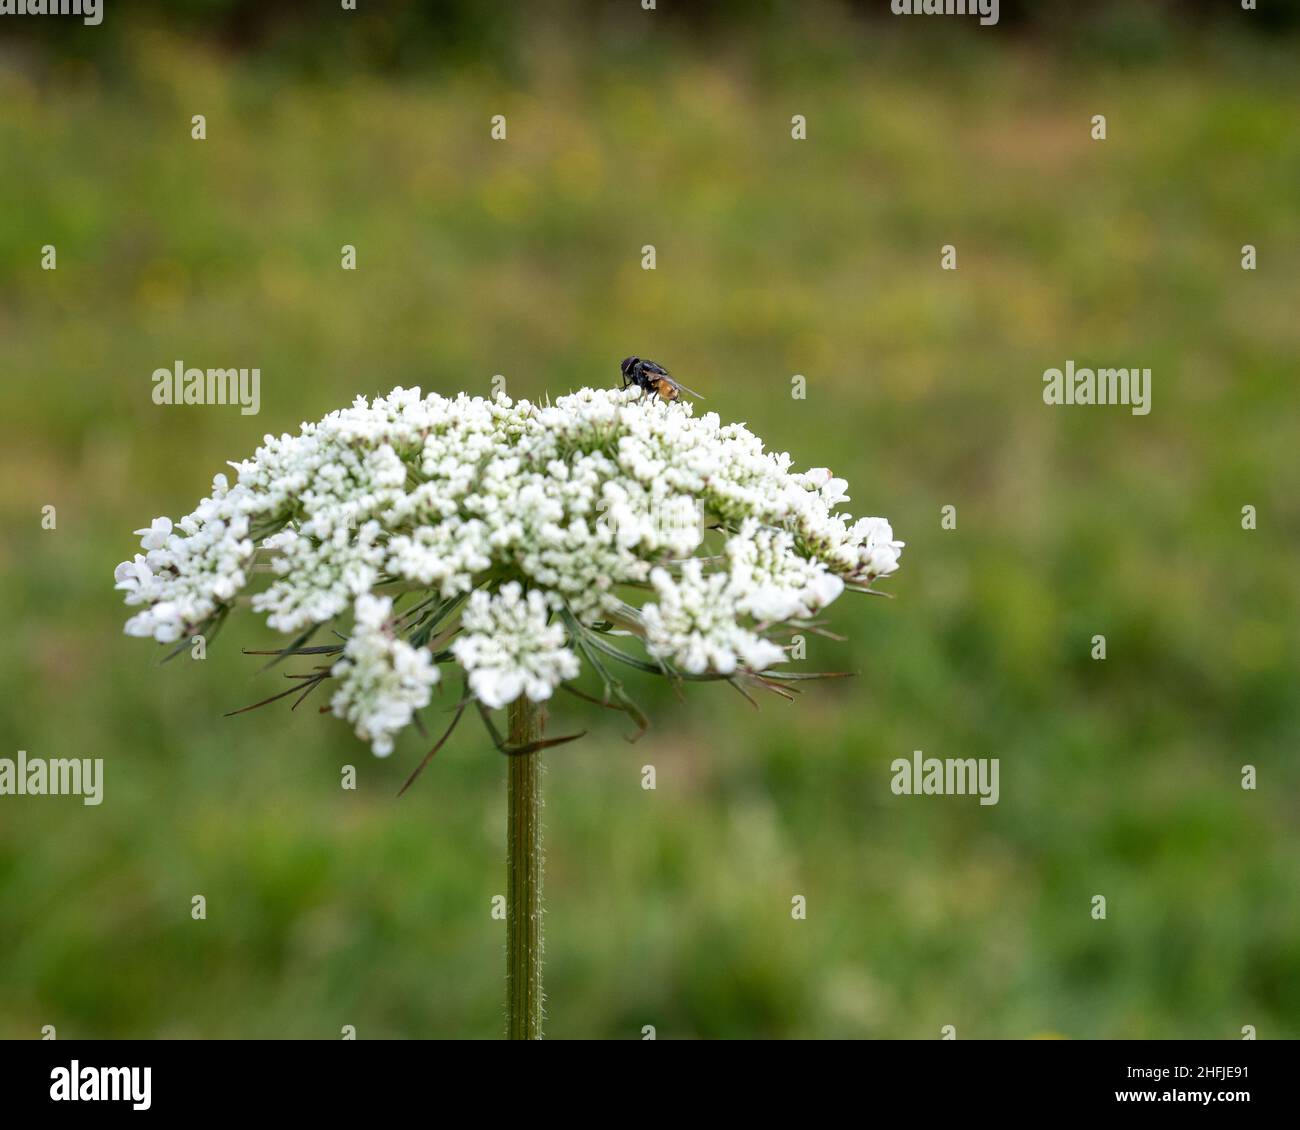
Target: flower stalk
524, 873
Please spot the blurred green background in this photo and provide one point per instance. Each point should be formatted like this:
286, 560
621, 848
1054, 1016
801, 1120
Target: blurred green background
775, 257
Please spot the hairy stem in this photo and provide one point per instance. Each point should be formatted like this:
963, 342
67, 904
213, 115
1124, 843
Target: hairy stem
524, 875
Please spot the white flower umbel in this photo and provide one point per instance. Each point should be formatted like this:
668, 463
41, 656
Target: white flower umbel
696, 623
383, 680
605, 526
509, 648
527, 546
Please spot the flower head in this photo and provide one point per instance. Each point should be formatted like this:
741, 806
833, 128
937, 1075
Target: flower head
525, 536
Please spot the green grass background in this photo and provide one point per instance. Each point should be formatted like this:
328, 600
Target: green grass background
672, 908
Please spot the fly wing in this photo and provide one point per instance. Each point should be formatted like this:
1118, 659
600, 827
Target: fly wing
678, 385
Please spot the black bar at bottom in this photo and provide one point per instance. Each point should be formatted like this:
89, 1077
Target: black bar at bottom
337, 1078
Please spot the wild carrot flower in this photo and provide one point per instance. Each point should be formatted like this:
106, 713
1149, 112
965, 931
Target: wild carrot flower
528, 541
523, 545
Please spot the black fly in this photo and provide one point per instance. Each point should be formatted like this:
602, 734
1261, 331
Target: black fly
653, 378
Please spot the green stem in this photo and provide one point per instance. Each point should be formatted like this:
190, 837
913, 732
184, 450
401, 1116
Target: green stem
524, 875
